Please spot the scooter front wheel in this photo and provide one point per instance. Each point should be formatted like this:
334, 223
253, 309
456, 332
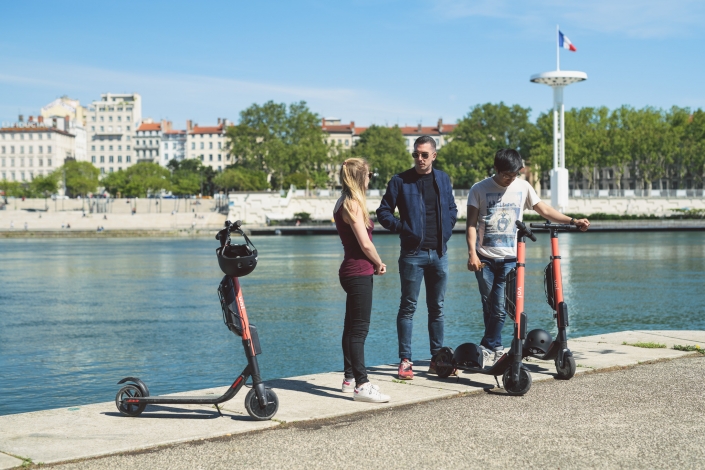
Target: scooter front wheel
258, 413
568, 370
121, 401
520, 388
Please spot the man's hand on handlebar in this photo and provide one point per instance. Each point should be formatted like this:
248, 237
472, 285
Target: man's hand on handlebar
582, 224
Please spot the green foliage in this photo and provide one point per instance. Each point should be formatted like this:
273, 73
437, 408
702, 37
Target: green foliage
385, 150
487, 128
280, 141
689, 348
647, 345
241, 179
80, 178
303, 216
139, 180
10, 188
190, 177
297, 179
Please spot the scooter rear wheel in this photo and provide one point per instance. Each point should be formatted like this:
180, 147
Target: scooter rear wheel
129, 409
444, 363
568, 370
516, 389
253, 408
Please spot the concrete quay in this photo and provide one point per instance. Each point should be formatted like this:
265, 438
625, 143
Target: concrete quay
90, 431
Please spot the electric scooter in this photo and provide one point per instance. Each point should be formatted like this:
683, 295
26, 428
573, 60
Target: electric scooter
468, 356
235, 260
539, 343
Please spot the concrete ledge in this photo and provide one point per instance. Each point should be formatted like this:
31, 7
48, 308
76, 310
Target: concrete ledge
94, 430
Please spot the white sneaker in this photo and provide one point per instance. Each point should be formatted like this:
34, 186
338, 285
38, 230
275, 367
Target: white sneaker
348, 385
370, 393
487, 358
498, 354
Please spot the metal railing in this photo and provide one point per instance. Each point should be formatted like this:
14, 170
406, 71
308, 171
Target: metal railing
627, 193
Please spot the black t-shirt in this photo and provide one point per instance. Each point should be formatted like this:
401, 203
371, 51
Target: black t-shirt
430, 197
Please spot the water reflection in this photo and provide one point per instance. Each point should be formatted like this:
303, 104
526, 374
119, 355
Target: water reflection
78, 315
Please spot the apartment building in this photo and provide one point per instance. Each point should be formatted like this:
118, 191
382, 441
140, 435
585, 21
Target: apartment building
345, 135
65, 107
111, 123
32, 148
148, 140
208, 144
173, 146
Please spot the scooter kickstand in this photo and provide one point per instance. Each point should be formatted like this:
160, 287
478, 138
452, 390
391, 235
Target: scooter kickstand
497, 380
221, 414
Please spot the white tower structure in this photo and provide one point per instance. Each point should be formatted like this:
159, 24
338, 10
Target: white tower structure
558, 80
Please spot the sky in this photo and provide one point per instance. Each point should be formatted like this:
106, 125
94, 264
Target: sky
380, 62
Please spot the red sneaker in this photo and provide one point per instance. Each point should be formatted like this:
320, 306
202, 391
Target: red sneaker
405, 371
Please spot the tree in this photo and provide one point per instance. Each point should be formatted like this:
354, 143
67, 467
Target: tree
80, 178
241, 179
469, 156
138, 180
385, 150
45, 185
694, 146
280, 141
191, 177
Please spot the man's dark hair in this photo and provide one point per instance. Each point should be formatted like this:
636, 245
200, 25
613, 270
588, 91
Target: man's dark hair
508, 160
425, 139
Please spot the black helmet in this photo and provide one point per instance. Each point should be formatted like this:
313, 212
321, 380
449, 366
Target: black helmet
469, 355
537, 342
235, 260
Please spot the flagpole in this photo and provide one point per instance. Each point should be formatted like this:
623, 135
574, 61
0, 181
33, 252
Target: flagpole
558, 49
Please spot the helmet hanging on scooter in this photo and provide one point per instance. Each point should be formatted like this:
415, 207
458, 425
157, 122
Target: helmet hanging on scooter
237, 260
537, 342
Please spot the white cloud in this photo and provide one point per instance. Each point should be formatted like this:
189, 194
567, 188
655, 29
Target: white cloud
635, 18
185, 96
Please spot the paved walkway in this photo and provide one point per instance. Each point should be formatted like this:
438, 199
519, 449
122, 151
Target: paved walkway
646, 416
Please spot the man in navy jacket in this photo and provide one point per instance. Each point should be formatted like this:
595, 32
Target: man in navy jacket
427, 215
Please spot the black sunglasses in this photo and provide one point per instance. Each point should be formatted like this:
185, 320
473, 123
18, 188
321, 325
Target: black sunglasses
423, 155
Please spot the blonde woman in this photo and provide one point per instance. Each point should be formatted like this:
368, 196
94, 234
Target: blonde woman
360, 263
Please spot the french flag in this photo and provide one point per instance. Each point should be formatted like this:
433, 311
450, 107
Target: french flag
565, 43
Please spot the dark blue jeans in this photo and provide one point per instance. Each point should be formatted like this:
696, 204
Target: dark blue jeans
413, 268
492, 280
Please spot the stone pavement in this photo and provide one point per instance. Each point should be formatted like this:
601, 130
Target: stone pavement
97, 430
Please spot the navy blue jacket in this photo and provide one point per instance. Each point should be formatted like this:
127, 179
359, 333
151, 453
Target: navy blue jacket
405, 192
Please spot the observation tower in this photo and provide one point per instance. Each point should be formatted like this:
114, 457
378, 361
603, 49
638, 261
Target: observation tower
559, 79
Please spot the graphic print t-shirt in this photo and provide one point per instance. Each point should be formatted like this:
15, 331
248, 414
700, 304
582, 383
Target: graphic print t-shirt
499, 209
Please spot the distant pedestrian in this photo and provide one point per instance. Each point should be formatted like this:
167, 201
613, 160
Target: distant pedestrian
68, 226
360, 263
25, 225
105, 216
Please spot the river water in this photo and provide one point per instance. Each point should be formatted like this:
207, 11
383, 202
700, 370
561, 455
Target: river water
77, 315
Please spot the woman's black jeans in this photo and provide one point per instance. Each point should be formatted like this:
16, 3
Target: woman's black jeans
358, 308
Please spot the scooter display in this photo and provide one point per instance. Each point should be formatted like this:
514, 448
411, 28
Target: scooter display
235, 260
467, 357
539, 343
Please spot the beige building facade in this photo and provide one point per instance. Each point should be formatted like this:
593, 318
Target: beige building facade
32, 148
111, 123
208, 144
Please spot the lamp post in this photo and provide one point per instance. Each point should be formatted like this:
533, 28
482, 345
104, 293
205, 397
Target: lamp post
559, 79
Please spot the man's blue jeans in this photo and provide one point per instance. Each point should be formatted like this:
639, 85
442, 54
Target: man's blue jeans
427, 266
492, 281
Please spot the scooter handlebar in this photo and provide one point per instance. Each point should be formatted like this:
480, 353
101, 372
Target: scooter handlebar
561, 227
523, 228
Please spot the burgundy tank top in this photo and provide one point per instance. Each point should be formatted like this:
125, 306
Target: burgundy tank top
355, 263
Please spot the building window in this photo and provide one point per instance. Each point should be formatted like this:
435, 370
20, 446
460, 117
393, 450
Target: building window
220, 157
201, 157
210, 145
127, 118
12, 149
127, 128
3, 149
30, 161
119, 117
93, 118
128, 147
128, 158
102, 159
3, 162
92, 148
111, 169
102, 171
119, 158
102, 119
201, 146
48, 161
193, 146
41, 163
220, 145
49, 149
110, 147
102, 128
110, 159
92, 159
21, 161
110, 118
12, 162
21, 148
93, 128
22, 175
166, 156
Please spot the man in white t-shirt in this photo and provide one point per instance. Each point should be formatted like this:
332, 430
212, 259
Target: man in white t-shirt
497, 203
